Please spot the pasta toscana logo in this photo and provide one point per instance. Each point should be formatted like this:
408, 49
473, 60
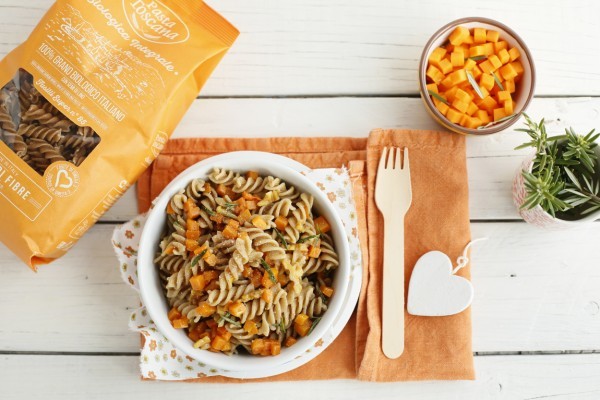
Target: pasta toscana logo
155, 22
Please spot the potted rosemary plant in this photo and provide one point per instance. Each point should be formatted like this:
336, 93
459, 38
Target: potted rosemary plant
559, 185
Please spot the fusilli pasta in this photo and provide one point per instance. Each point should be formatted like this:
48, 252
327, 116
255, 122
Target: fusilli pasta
245, 262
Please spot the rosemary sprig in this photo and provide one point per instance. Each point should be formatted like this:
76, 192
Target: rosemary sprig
208, 210
198, 257
306, 239
280, 236
437, 96
497, 81
282, 328
269, 270
315, 322
228, 318
474, 84
477, 58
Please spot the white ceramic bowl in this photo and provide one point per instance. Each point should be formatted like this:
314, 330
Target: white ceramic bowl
152, 292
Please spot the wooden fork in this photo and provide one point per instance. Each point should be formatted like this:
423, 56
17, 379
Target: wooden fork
393, 196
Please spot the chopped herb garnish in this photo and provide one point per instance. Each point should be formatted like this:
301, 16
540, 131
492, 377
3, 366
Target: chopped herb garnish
198, 257
437, 96
208, 210
474, 84
497, 81
229, 205
305, 239
282, 327
315, 322
280, 236
477, 58
269, 270
229, 318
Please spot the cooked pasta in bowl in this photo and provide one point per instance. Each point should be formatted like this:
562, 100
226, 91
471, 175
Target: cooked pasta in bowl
243, 263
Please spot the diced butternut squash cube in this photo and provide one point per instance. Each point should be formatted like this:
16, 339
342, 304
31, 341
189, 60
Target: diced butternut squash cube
257, 346
224, 333
251, 327
487, 67
509, 107
450, 93
275, 348
518, 67
197, 282
460, 105
437, 55
468, 40
514, 53
483, 116
484, 92
180, 323
322, 225
445, 66
476, 51
453, 116
479, 35
463, 96
211, 260
314, 252
210, 275
302, 330
252, 175
503, 96
290, 341
470, 64
499, 113
457, 59
230, 232
508, 72
237, 308
486, 81
495, 61
301, 319
218, 343
492, 36
473, 123
192, 225
488, 103
464, 119
170, 209
259, 223
459, 50
194, 235
488, 49
282, 222
244, 216
447, 83
509, 85
442, 107
267, 296
476, 72
174, 313
499, 45
503, 56
459, 35
434, 74
205, 310
430, 87
191, 244
472, 109
327, 291
458, 76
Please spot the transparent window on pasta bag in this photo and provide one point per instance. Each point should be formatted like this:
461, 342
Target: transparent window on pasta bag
36, 131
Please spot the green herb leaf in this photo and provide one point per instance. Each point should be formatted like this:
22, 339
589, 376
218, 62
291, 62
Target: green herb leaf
269, 270
282, 328
306, 239
198, 257
477, 58
280, 236
208, 210
474, 84
229, 318
437, 96
498, 81
315, 322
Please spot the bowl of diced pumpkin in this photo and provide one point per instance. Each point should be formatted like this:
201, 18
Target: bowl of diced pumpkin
476, 76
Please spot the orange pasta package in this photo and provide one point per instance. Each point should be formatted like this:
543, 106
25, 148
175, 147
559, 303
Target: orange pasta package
87, 103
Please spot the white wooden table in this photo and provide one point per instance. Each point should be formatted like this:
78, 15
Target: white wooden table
332, 67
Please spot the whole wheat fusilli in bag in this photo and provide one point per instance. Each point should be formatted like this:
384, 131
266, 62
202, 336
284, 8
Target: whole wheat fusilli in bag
87, 103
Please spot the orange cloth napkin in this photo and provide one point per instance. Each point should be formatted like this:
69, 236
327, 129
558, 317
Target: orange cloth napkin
435, 348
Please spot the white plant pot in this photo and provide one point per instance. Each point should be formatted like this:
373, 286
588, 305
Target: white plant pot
537, 216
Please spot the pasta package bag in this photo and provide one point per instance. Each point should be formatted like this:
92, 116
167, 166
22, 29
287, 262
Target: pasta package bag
87, 103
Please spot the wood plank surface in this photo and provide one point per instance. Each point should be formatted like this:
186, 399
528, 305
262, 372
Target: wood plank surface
290, 47
541, 288
116, 377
